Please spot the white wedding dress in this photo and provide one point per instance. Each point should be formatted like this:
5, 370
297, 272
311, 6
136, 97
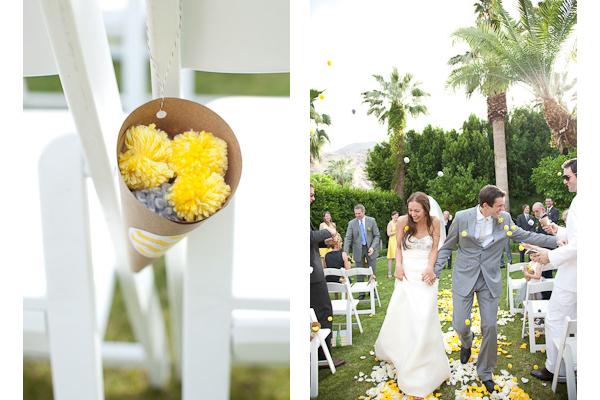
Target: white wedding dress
411, 335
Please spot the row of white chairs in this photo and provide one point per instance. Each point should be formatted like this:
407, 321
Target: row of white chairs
514, 284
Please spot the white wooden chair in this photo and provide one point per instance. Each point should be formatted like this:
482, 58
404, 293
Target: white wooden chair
320, 337
567, 354
65, 317
535, 309
316, 341
513, 284
345, 306
343, 273
213, 36
369, 285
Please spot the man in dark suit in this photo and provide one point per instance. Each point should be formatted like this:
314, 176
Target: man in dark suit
540, 212
553, 213
526, 222
319, 295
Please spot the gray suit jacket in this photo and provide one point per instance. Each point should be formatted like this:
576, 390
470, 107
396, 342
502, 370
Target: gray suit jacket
354, 241
472, 258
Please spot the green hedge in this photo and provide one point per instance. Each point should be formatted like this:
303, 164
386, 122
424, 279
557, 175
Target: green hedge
340, 202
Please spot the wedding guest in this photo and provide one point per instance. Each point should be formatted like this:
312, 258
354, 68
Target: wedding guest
362, 237
391, 232
336, 258
327, 223
319, 295
526, 222
553, 213
563, 302
447, 223
541, 215
532, 272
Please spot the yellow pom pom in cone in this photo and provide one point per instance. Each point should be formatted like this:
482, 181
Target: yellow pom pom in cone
149, 234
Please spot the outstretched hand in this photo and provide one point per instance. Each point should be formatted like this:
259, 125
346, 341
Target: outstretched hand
399, 273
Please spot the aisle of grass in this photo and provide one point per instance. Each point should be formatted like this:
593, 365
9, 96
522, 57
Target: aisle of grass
342, 385
247, 382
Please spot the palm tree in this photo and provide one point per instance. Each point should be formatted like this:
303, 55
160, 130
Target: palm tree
390, 104
340, 171
318, 136
476, 71
529, 49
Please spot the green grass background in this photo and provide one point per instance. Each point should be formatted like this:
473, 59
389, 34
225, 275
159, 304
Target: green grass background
343, 386
247, 382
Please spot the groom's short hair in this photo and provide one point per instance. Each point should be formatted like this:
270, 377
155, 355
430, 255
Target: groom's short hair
572, 164
489, 193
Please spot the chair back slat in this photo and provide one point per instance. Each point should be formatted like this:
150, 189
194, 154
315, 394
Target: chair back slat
537, 287
359, 272
515, 267
334, 271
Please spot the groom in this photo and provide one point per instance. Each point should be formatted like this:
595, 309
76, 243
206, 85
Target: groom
482, 233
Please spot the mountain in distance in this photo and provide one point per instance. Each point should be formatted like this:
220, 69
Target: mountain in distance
357, 152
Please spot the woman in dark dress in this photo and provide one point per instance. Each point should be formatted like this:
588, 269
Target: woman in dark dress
336, 258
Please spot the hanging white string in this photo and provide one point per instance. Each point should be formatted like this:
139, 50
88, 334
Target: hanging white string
162, 80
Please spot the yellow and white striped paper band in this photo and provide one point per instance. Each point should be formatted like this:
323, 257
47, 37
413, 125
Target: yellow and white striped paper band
149, 244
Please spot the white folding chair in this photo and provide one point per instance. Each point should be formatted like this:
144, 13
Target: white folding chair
367, 286
534, 309
320, 337
346, 306
261, 33
343, 273
513, 284
69, 38
567, 354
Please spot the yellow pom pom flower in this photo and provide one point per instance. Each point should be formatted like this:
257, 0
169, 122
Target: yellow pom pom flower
509, 233
144, 163
505, 227
196, 196
500, 220
521, 248
509, 366
329, 63
321, 97
193, 150
513, 227
406, 228
330, 318
467, 321
463, 234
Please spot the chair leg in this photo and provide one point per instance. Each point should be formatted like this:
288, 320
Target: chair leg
372, 295
511, 301
570, 372
358, 320
349, 326
323, 345
377, 293
524, 322
531, 322
314, 369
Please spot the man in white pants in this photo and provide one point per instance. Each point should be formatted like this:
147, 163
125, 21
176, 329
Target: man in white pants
563, 301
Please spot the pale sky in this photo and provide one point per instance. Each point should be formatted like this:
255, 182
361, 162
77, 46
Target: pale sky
364, 38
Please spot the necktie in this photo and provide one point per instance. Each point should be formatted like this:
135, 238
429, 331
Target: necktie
362, 232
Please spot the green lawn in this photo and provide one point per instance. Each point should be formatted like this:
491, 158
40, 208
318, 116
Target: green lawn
342, 385
247, 382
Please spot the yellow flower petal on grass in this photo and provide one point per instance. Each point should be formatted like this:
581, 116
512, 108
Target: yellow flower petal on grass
193, 150
523, 346
509, 366
536, 366
144, 163
199, 195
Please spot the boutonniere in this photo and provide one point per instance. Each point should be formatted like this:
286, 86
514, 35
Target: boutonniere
463, 234
369, 229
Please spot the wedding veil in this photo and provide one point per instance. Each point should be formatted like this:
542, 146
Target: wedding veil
436, 211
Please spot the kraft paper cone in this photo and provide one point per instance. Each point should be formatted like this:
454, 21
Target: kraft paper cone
149, 235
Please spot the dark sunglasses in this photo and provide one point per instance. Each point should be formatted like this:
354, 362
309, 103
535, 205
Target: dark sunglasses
567, 177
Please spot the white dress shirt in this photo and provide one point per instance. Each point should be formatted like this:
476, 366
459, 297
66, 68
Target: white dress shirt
483, 229
565, 257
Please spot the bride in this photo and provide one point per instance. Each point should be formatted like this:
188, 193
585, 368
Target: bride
411, 336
